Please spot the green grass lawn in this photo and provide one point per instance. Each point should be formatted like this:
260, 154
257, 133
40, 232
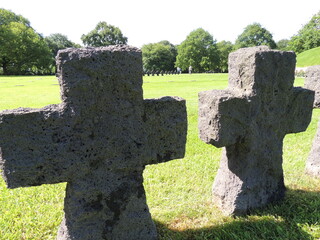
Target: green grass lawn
309, 58
179, 191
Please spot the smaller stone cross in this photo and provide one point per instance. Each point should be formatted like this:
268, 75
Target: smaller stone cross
98, 140
312, 82
313, 162
251, 118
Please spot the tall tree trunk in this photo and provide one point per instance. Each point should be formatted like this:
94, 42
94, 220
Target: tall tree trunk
4, 69
4, 65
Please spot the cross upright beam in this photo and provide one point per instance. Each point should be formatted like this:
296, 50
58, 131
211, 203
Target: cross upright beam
98, 140
250, 119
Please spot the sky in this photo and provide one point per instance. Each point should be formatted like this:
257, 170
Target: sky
151, 21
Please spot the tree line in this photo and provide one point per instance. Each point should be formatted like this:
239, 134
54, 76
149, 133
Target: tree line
24, 51
201, 51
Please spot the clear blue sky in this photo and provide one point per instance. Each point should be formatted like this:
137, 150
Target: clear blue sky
150, 21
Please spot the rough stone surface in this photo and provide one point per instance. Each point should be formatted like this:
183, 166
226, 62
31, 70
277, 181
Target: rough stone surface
312, 82
313, 162
250, 118
98, 140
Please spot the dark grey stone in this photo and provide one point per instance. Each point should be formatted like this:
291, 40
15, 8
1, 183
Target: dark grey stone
250, 118
98, 140
312, 82
313, 162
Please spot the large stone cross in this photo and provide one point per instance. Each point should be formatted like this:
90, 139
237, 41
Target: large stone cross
250, 118
98, 140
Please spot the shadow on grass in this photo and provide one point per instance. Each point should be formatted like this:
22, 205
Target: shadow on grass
284, 220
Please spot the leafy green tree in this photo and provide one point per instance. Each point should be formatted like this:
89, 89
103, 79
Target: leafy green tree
308, 36
255, 35
224, 48
58, 41
199, 50
6, 17
104, 35
172, 47
159, 56
22, 50
283, 45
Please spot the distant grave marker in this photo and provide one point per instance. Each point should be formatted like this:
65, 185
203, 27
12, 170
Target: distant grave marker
312, 82
98, 140
250, 119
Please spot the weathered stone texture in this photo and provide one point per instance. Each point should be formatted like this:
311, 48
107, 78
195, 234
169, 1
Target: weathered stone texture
98, 140
312, 82
313, 162
250, 118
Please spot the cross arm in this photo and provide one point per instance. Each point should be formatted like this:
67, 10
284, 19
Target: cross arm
223, 117
299, 110
166, 125
28, 140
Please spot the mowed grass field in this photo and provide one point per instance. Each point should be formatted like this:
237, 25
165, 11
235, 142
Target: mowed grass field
178, 192
309, 58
